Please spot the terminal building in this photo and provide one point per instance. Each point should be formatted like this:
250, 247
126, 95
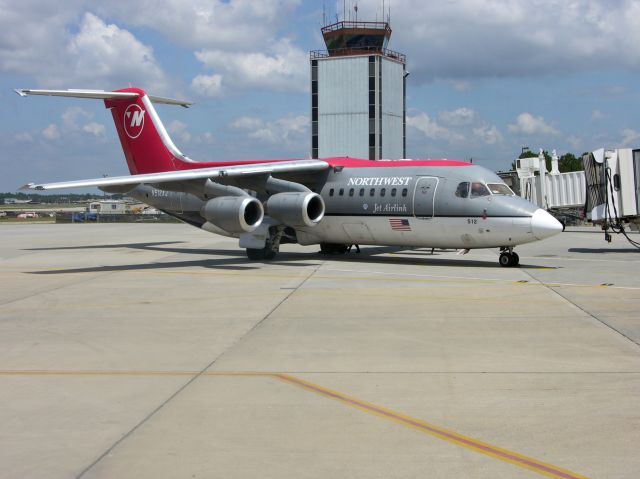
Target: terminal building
358, 93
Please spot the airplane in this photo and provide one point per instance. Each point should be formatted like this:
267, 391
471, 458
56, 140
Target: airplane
333, 202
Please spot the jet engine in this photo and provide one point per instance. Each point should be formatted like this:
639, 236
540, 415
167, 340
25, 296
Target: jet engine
236, 214
296, 209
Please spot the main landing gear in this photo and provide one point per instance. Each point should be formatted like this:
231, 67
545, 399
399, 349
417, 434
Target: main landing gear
333, 248
508, 257
271, 246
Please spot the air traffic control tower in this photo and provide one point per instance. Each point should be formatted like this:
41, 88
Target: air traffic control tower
358, 100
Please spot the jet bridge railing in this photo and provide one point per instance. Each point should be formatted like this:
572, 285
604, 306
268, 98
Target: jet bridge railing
553, 189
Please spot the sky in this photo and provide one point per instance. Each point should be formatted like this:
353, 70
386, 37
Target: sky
487, 77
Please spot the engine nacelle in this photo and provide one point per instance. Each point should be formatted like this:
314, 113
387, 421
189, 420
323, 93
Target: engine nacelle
296, 209
235, 214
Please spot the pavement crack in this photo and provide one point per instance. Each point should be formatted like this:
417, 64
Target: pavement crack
194, 378
146, 418
292, 291
601, 321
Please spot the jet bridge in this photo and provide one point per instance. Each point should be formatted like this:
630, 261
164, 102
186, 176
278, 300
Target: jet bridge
613, 189
550, 190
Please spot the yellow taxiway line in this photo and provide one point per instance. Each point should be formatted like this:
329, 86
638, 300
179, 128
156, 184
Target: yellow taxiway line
438, 432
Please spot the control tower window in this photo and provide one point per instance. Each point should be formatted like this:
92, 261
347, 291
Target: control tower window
479, 189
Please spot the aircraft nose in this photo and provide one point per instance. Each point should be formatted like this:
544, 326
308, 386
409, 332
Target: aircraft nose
544, 225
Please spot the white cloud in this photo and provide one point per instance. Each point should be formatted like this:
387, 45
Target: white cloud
229, 25
459, 117
236, 40
72, 122
575, 142
247, 123
109, 54
24, 137
32, 35
179, 130
459, 85
468, 39
206, 138
630, 137
615, 90
597, 115
43, 40
431, 129
527, 124
51, 132
207, 85
72, 114
488, 134
96, 129
285, 68
290, 132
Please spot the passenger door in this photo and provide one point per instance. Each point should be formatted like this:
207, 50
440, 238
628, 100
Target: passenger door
424, 196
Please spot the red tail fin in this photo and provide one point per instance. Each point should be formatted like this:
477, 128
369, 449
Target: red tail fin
146, 144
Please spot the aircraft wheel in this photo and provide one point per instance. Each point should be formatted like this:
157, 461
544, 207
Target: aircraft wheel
505, 260
262, 253
509, 259
333, 248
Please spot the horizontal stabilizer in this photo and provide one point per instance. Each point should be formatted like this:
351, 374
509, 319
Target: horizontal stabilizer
101, 95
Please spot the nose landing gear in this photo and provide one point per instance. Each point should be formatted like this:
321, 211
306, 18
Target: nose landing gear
508, 257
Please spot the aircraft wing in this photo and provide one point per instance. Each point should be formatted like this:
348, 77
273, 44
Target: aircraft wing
300, 166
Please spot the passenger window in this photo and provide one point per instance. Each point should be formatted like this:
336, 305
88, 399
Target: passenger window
383, 191
351, 191
361, 191
372, 191
463, 189
331, 192
341, 193
478, 189
393, 192
404, 192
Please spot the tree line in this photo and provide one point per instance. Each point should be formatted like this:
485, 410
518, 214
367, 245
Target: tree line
567, 162
56, 198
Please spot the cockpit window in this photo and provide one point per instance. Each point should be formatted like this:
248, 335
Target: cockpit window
479, 189
463, 189
500, 189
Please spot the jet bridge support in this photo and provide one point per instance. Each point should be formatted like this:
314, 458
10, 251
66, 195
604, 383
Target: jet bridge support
613, 190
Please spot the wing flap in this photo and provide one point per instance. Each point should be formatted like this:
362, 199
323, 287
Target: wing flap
308, 166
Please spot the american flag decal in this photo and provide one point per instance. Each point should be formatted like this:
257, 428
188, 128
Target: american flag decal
399, 224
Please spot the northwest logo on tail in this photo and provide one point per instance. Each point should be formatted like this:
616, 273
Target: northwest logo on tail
133, 121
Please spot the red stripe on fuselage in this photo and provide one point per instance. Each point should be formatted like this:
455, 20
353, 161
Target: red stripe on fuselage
358, 163
333, 162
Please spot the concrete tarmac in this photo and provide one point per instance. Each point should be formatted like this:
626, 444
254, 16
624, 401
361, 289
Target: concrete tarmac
146, 351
